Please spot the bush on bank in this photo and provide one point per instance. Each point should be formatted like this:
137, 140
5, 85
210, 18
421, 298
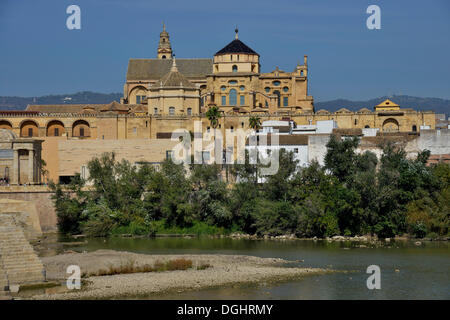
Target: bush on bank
352, 194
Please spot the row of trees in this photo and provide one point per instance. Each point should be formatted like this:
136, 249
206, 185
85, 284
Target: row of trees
352, 194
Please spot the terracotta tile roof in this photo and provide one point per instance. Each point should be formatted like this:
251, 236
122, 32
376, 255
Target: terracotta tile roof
63, 108
155, 69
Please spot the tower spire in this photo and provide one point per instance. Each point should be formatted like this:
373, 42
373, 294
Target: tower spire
164, 47
237, 32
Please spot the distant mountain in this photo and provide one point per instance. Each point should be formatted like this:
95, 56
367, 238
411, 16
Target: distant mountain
20, 103
436, 104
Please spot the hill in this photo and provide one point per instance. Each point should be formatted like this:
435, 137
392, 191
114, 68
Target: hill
436, 104
417, 103
20, 103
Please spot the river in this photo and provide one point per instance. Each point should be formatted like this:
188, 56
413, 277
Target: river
408, 270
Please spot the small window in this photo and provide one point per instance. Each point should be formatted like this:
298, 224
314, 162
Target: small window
242, 124
224, 100
235, 68
30, 132
367, 127
206, 156
301, 73
155, 111
276, 83
267, 89
242, 88
242, 100
208, 129
285, 89
356, 122
189, 111
168, 154
295, 150
223, 88
134, 130
268, 152
146, 124
56, 133
285, 101
163, 57
81, 132
232, 128
414, 128
232, 82
138, 99
171, 111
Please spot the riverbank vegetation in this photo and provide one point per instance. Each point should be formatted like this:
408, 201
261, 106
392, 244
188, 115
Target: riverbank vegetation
351, 194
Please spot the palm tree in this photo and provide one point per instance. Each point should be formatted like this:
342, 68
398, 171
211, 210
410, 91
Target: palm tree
213, 114
255, 124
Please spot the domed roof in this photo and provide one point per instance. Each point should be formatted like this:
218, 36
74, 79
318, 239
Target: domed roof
236, 46
7, 135
173, 79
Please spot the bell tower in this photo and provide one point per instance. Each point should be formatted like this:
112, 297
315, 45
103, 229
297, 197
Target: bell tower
164, 48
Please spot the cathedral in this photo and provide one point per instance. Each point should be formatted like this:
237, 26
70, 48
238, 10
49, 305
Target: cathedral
232, 80
167, 93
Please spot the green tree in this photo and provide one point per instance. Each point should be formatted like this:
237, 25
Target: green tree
213, 114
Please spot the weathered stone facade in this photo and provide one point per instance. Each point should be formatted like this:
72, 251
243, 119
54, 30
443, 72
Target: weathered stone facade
162, 95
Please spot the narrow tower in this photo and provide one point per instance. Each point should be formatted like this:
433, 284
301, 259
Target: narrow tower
164, 48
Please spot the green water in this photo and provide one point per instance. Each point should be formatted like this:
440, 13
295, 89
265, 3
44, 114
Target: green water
423, 272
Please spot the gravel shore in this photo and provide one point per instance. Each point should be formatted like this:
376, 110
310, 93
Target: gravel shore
224, 270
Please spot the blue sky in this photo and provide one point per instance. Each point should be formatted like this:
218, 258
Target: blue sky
409, 55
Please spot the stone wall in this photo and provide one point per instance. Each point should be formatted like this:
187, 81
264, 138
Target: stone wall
40, 196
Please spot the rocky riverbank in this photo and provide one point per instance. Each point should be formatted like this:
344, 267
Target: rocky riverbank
223, 270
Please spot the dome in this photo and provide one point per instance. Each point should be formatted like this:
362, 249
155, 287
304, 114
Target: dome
7, 135
236, 46
173, 79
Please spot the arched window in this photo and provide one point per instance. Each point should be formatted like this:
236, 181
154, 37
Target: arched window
29, 128
55, 128
5, 125
163, 57
367, 127
285, 89
276, 83
171, 111
233, 97
414, 128
267, 89
234, 68
189, 111
81, 128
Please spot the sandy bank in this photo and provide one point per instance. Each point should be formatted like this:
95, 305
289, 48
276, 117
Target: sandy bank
224, 270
